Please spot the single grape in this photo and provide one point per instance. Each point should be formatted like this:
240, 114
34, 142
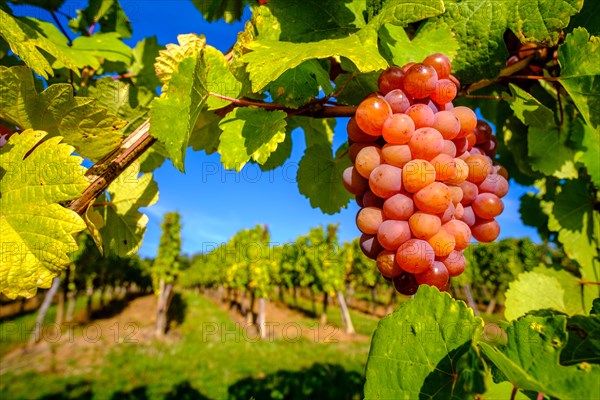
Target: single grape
370, 246
449, 148
485, 230
355, 148
368, 220
387, 265
470, 192
417, 174
426, 143
448, 214
494, 183
369, 199
447, 124
441, 64
390, 79
356, 135
407, 66
371, 115
455, 262
399, 207
354, 182
420, 80
385, 180
445, 91
467, 118
415, 256
456, 193
367, 160
421, 114
406, 284
471, 142
479, 167
436, 276
398, 129
445, 167
391, 234
460, 231
483, 132
459, 211
468, 216
461, 145
489, 148
359, 200
455, 81
398, 101
396, 154
423, 225
433, 198
487, 206
442, 242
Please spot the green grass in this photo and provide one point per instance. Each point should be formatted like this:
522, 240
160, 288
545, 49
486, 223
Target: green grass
18, 330
213, 359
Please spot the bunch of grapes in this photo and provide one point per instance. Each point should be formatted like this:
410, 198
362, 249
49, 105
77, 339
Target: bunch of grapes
423, 176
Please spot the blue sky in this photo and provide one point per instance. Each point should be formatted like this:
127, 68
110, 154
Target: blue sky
214, 202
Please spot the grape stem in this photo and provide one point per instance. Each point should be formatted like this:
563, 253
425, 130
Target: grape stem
513, 394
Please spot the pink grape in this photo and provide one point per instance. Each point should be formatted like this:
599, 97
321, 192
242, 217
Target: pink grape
399, 207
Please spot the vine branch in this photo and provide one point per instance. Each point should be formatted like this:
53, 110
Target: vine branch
105, 171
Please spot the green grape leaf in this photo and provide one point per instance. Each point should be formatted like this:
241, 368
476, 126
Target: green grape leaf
487, 20
308, 20
205, 135
595, 307
298, 85
530, 359
36, 231
589, 156
532, 214
190, 45
532, 291
173, 115
320, 177
578, 297
573, 217
81, 121
220, 79
27, 43
579, 59
250, 133
404, 12
399, 49
144, 55
583, 344
544, 137
126, 101
317, 131
153, 158
108, 13
357, 86
214, 10
124, 225
94, 50
281, 154
416, 351
269, 59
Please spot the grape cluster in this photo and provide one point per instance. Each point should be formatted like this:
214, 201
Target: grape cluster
423, 176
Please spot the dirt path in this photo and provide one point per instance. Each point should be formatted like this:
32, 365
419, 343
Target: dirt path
284, 323
75, 349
